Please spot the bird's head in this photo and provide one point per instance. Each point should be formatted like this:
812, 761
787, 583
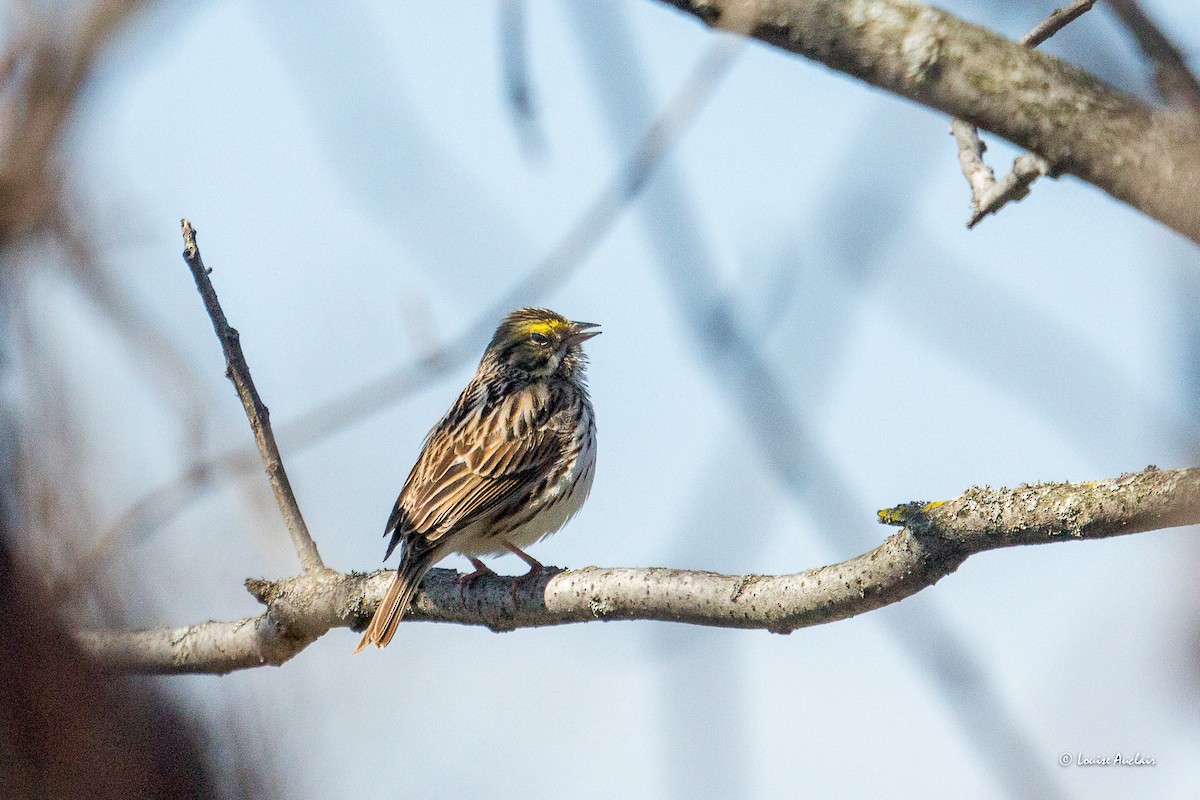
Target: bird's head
541, 343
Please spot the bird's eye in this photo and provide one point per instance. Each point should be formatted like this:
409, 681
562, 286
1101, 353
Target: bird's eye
539, 339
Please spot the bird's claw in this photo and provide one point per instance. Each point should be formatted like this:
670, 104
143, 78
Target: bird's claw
481, 570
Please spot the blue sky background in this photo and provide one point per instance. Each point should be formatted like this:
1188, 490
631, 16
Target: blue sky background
361, 191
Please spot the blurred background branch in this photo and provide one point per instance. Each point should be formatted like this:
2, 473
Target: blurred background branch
1172, 77
514, 65
49, 57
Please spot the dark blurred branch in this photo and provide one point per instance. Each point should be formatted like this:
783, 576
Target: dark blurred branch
238, 371
51, 52
1175, 82
72, 727
936, 539
987, 194
46, 65
514, 62
1145, 157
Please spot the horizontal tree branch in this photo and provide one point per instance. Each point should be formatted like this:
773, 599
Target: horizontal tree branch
1145, 157
936, 539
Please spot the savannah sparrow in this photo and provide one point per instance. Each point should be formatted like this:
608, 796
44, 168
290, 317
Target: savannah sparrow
509, 463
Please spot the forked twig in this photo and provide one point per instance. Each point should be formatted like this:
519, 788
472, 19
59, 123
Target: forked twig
987, 194
238, 371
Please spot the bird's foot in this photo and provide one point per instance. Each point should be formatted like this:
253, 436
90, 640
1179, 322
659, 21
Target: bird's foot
535, 569
520, 581
481, 570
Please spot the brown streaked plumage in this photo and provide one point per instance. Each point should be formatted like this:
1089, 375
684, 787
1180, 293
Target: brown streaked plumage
508, 464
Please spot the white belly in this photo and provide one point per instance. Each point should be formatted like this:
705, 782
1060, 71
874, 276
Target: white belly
563, 502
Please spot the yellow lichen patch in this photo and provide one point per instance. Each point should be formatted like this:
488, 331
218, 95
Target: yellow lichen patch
904, 513
897, 515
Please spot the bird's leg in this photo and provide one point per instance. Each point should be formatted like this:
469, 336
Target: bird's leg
535, 568
481, 570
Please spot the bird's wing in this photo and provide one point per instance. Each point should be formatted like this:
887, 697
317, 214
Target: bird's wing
474, 465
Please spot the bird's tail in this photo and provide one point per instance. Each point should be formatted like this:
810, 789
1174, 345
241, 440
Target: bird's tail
395, 602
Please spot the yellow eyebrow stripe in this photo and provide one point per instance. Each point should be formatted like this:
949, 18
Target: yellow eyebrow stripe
542, 326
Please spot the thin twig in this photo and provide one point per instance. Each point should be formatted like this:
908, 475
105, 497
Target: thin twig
1175, 82
1059, 18
970, 158
936, 540
987, 194
238, 371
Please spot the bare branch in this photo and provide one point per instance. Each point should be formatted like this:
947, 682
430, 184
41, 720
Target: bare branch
1145, 157
238, 371
1059, 18
1175, 82
212, 648
987, 194
1012, 187
937, 538
970, 158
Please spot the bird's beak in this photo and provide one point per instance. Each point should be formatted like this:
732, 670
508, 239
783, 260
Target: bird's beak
580, 333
